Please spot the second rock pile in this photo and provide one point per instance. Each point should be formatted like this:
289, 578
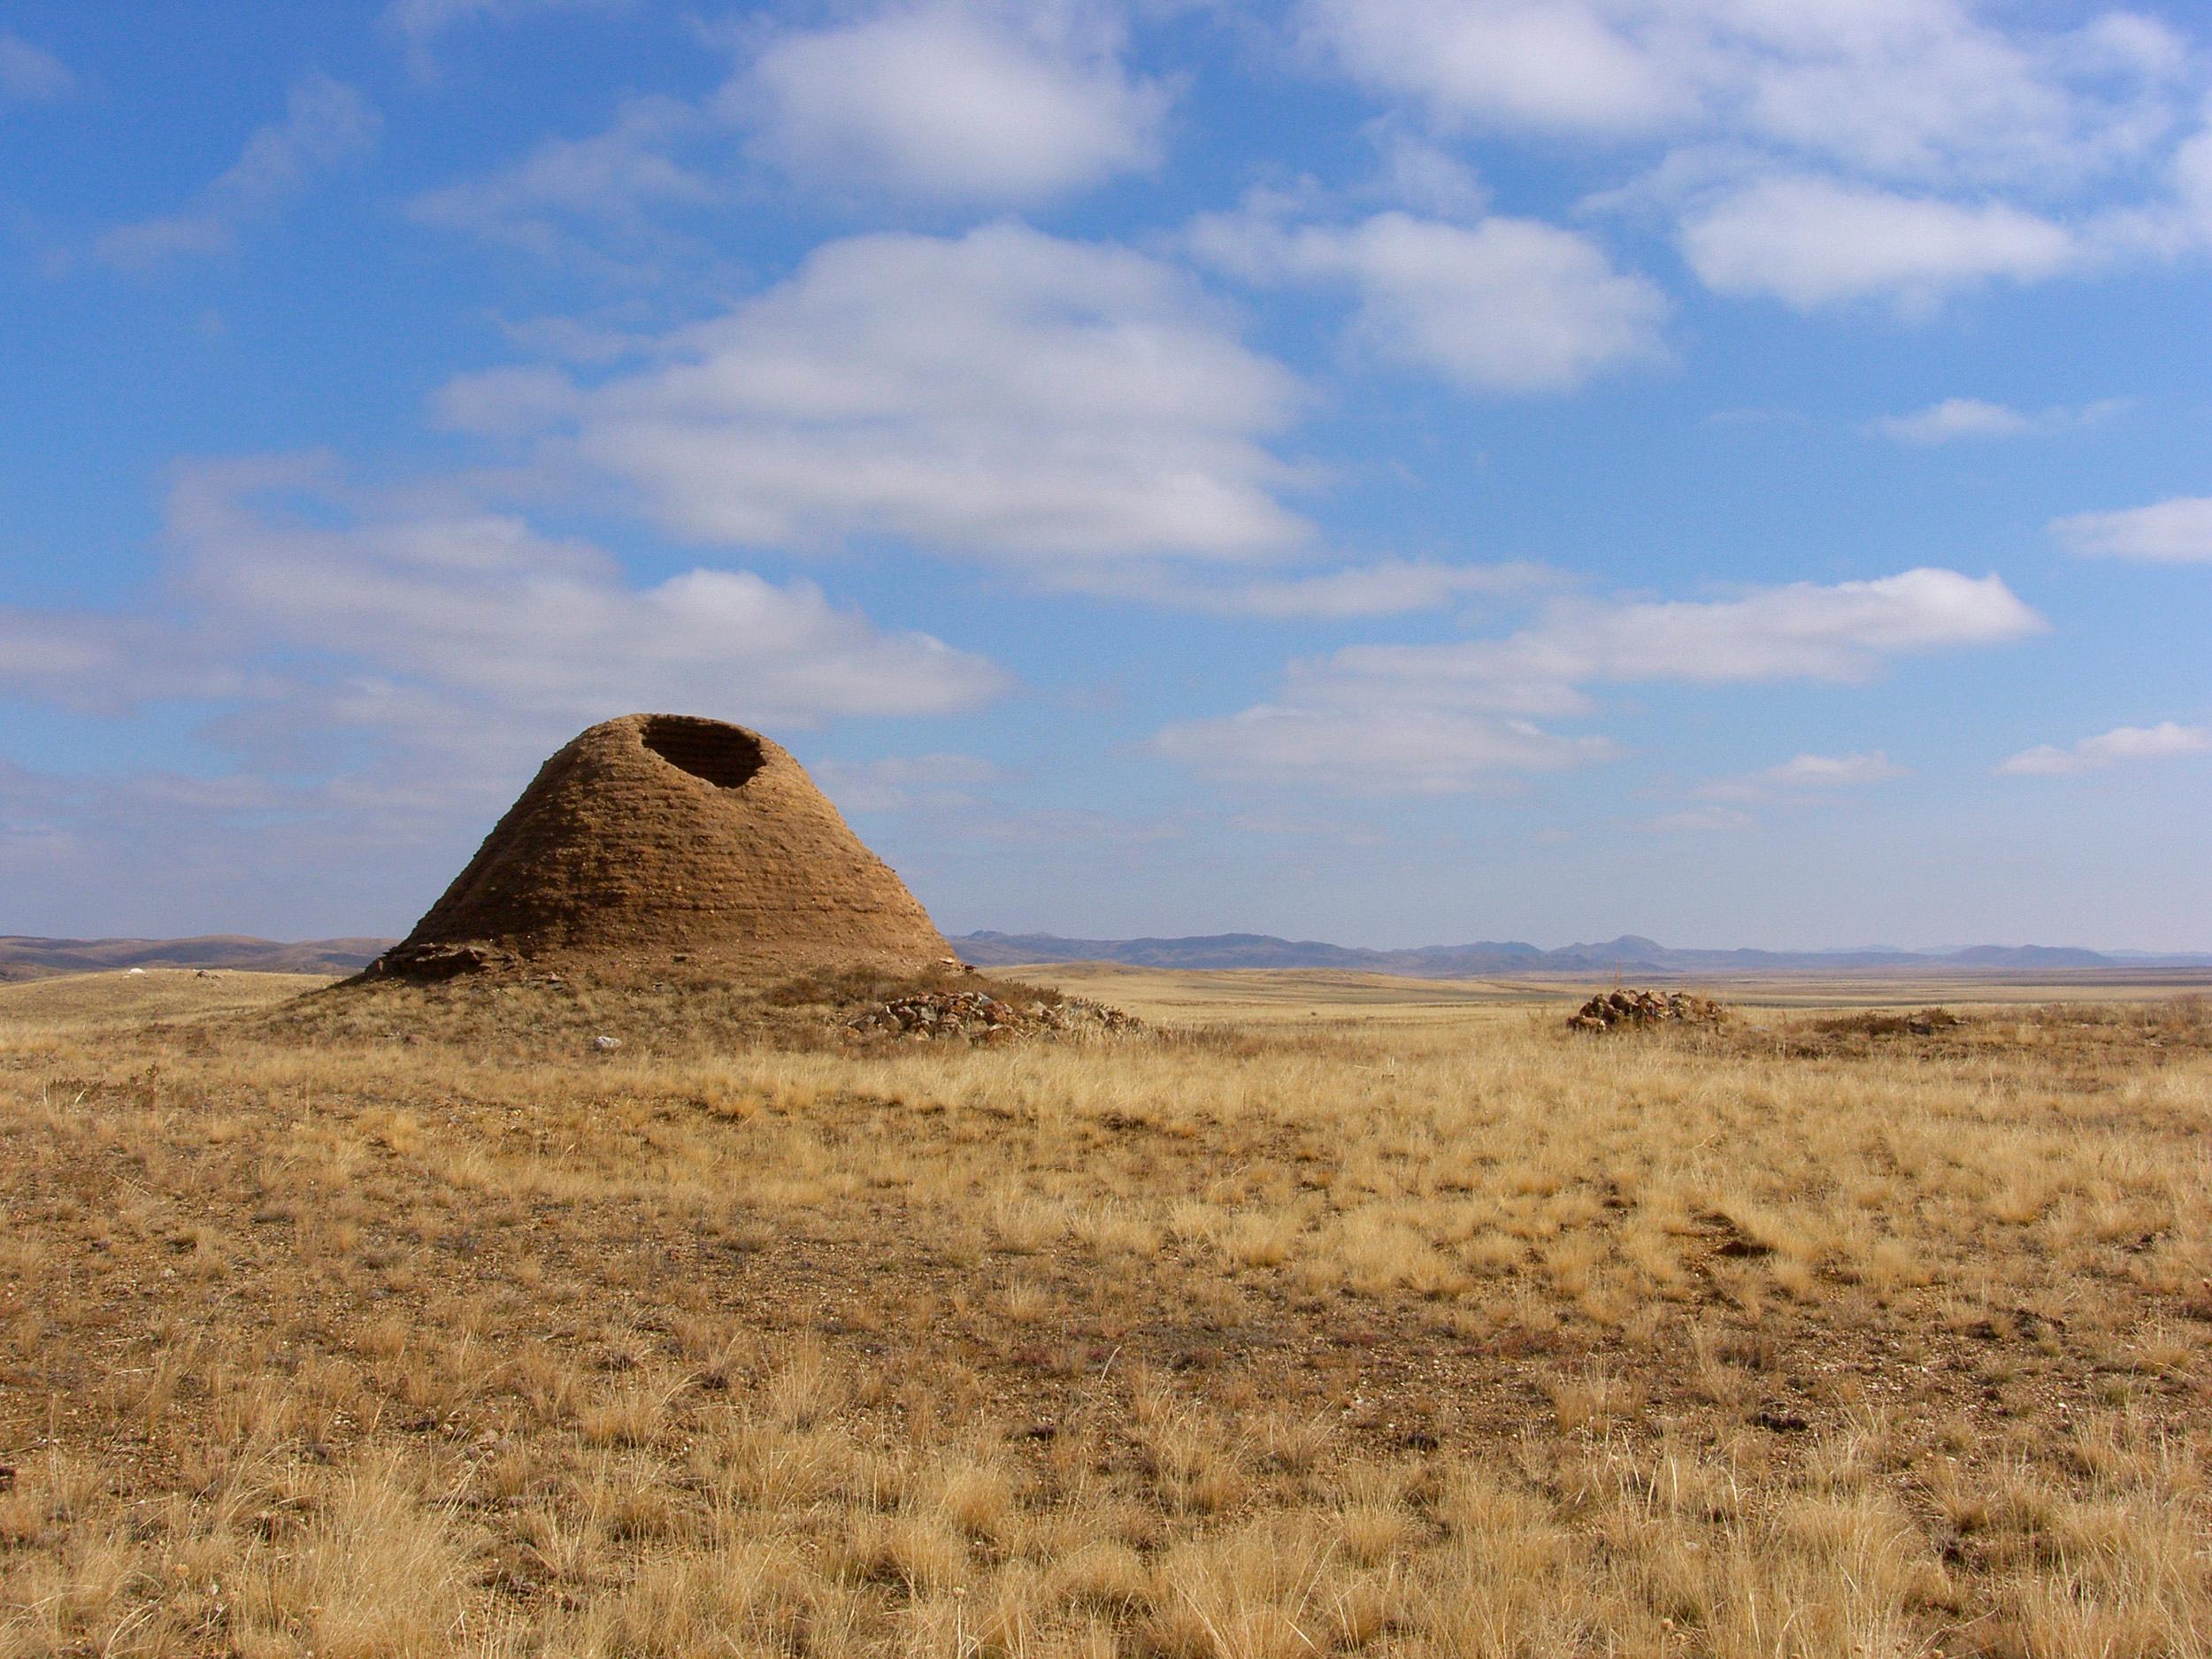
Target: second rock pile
977, 1017
1611, 1009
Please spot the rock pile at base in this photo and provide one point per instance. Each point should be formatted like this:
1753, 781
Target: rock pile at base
1610, 1010
976, 1016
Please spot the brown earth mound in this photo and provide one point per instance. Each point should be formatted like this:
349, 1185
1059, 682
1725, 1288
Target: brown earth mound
661, 838
1928, 1022
1611, 1009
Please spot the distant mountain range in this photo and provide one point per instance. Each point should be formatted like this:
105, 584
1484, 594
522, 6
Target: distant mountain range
1627, 955
26, 958
23, 957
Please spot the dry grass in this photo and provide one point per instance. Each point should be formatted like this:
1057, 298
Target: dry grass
427, 1330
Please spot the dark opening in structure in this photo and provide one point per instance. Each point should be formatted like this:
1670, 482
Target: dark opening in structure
725, 755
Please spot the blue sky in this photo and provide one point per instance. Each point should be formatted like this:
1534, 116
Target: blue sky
1391, 471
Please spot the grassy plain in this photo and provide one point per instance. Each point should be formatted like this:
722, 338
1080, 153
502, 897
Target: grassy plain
1332, 1317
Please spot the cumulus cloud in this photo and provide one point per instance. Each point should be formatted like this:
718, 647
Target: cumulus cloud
907, 783
612, 178
422, 23
1814, 242
2176, 532
481, 604
1833, 771
2122, 745
1004, 396
1369, 751
1912, 89
1957, 418
1423, 176
387, 677
1389, 587
422, 19
109, 663
1703, 820
1953, 419
1904, 150
234, 854
1503, 304
1552, 68
1804, 631
2193, 181
464, 628
326, 124
1803, 778
30, 74
1476, 699
1386, 587
959, 103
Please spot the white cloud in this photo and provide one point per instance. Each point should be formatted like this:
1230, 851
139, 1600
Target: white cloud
960, 103
1803, 776
30, 74
483, 605
514, 402
1432, 717
2166, 741
207, 854
1833, 771
1804, 631
2176, 532
1814, 241
419, 20
1385, 588
1369, 751
1004, 396
1703, 819
1504, 304
423, 23
1923, 89
1550, 67
906, 783
420, 23
1920, 90
451, 629
1901, 149
104, 664
608, 339
957, 103
1055, 830
1423, 176
1955, 419
611, 178
326, 124
1390, 588
2193, 181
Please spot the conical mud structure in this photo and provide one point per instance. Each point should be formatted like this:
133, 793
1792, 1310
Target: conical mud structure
661, 838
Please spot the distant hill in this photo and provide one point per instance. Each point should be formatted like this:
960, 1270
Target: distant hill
23, 958
2053, 956
1628, 954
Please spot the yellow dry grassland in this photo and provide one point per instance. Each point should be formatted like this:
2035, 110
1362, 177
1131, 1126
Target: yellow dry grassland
1377, 1322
